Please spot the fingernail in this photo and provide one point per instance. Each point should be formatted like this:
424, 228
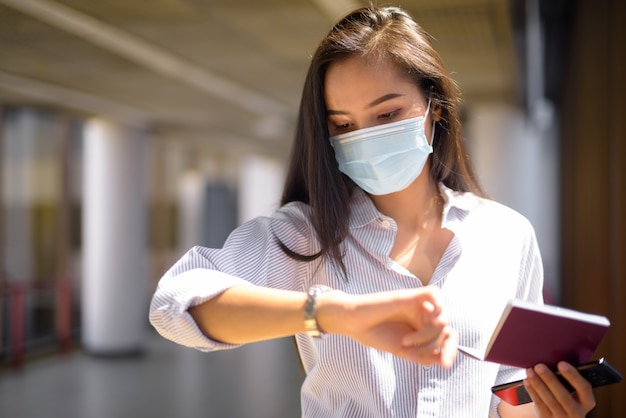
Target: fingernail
541, 368
564, 366
429, 307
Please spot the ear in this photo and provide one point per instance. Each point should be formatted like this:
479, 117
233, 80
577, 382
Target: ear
436, 114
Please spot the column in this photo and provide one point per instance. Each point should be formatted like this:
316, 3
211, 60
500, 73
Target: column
260, 186
18, 179
115, 275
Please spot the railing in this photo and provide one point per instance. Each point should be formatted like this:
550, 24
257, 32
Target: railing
15, 295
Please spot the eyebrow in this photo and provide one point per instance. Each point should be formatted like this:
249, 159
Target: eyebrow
376, 102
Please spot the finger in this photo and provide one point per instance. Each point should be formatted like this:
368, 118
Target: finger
539, 393
551, 396
429, 307
442, 339
417, 354
425, 336
433, 303
441, 351
449, 349
584, 391
427, 329
425, 299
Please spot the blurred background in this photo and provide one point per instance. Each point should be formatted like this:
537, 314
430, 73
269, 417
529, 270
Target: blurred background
130, 131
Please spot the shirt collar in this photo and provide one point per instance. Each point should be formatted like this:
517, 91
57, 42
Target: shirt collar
363, 209
455, 201
459, 203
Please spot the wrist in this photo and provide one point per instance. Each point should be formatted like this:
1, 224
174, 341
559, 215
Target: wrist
332, 309
324, 310
311, 325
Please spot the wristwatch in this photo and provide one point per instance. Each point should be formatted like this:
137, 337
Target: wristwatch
310, 310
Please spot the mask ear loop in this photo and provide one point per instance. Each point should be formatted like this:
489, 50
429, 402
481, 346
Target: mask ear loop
427, 109
432, 134
432, 131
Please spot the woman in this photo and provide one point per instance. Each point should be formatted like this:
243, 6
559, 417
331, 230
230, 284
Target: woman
383, 251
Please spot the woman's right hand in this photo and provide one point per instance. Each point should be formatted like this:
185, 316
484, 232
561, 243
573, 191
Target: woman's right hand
407, 323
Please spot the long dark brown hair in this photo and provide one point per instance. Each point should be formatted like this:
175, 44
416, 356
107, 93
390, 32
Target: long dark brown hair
313, 177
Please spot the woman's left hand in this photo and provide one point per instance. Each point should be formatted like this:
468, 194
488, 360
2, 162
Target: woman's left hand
552, 399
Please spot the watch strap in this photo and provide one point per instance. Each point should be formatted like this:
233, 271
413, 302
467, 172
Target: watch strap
310, 310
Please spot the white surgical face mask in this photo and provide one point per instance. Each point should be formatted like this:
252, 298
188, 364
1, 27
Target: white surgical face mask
386, 158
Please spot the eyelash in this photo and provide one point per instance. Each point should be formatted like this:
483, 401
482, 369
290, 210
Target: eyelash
388, 115
383, 116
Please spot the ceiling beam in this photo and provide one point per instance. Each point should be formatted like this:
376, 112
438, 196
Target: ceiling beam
75, 100
84, 103
150, 56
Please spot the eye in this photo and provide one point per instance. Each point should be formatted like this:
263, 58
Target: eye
339, 128
388, 115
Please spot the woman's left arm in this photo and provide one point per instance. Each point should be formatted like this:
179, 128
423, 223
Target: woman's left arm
551, 398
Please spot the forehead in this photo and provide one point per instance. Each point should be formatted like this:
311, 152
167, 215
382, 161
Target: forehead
358, 80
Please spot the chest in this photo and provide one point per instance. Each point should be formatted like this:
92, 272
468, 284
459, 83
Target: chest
420, 253
478, 263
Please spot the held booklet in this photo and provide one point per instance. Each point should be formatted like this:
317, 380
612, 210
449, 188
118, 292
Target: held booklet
529, 333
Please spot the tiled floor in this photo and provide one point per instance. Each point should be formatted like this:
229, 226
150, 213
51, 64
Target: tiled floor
259, 380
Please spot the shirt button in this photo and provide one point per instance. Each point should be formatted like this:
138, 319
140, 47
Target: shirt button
385, 223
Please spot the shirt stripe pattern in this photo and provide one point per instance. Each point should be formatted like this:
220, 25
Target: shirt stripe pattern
492, 258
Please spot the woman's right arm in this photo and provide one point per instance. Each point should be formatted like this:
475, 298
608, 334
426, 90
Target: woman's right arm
408, 323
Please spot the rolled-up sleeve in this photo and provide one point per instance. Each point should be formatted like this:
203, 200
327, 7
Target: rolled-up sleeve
175, 294
250, 256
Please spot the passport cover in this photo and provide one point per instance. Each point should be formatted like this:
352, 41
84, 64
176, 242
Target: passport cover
529, 333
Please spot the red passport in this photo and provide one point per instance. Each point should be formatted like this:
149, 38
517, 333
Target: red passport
528, 334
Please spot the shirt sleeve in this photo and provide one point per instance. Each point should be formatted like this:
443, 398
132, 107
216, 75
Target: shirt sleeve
176, 293
251, 256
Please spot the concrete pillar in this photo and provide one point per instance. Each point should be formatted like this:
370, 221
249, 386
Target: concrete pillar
221, 213
191, 211
18, 187
260, 186
115, 274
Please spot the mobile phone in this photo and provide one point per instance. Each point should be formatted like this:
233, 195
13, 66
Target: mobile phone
597, 372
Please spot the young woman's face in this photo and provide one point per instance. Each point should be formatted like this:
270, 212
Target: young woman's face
360, 95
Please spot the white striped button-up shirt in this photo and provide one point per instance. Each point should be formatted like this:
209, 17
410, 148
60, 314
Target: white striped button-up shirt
492, 258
